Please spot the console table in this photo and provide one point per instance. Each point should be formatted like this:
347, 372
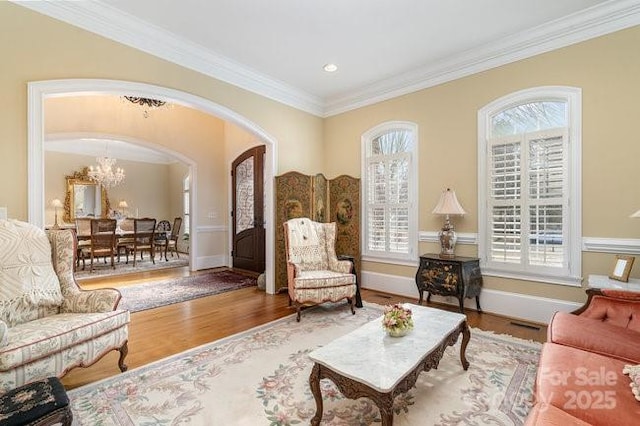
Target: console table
458, 276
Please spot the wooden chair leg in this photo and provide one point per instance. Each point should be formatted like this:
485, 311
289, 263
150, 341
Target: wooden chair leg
124, 350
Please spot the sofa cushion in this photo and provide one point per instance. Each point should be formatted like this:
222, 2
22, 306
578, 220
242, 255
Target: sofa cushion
548, 415
619, 310
27, 278
40, 338
634, 374
320, 279
594, 336
589, 386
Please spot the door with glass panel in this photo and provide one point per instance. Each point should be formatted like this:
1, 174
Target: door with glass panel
247, 213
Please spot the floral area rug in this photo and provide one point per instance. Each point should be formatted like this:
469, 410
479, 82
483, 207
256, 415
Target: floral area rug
101, 269
166, 292
260, 377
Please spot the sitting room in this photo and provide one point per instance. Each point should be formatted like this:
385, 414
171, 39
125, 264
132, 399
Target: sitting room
414, 213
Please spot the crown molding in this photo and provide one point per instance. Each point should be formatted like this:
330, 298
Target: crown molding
100, 18
596, 21
107, 21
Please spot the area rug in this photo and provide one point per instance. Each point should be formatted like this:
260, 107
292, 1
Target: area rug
260, 377
102, 269
166, 292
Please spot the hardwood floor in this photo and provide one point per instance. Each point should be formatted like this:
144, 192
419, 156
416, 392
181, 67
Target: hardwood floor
157, 333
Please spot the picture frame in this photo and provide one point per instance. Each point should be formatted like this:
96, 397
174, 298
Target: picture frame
622, 268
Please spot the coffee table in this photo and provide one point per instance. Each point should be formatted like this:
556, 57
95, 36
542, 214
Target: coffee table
368, 363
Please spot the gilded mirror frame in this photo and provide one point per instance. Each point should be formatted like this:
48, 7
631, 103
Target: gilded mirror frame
82, 178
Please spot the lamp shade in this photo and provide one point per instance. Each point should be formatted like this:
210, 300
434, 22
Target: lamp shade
636, 214
123, 204
448, 204
56, 203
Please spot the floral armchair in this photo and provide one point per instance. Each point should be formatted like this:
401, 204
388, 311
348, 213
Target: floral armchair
48, 325
314, 273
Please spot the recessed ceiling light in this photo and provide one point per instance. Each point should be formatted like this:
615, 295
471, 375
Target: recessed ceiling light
330, 68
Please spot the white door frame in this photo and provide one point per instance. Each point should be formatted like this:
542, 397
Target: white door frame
38, 91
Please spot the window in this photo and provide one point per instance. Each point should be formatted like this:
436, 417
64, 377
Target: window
529, 186
389, 188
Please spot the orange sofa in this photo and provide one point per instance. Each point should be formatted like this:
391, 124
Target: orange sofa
580, 378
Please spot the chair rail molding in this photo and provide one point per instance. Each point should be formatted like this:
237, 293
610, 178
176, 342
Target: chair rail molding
611, 245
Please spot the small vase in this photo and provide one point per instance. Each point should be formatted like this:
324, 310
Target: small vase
398, 332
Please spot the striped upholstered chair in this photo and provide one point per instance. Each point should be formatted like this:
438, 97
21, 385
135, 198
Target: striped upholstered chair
314, 273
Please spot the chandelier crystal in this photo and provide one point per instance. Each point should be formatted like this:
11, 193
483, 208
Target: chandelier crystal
104, 173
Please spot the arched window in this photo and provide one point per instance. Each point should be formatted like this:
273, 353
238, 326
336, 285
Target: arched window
389, 192
529, 185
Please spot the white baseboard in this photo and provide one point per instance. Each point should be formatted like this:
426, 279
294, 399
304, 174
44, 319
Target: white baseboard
514, 305
206, 262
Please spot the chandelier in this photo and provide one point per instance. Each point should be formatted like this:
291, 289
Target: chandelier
104, 173
146, 103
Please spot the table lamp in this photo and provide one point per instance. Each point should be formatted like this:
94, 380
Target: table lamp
448, 205
123, 205
56, 203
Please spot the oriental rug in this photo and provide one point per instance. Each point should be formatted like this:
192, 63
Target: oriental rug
101, 269
260, 377
169, 291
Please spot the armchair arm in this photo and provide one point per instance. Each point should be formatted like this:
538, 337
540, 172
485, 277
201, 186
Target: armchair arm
4, 331
99, 300
343, 266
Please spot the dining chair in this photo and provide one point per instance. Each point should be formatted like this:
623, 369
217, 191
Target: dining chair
143, 239
124, 239
102, 241
172, 242
83, 236
163, 230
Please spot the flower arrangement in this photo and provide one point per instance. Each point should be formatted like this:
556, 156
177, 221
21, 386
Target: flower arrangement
397, 320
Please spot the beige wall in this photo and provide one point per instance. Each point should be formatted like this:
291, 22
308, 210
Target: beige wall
42, 48
607, 70
144, 187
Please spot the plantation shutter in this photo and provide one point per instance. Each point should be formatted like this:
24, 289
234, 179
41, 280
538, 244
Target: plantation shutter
528, 199
388, 167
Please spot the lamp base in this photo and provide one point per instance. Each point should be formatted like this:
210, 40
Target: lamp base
55, 225
448, 239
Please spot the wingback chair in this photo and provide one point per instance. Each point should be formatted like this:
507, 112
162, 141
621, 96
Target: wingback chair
48, 325
314, 273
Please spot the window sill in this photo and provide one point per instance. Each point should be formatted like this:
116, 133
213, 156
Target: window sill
541, 278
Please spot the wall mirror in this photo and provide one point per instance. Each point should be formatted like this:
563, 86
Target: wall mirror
84, 197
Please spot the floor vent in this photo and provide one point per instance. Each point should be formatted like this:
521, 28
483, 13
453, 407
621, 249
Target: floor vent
383, 296
519, 324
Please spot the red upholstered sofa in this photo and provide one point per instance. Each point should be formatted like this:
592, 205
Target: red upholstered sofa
580, 379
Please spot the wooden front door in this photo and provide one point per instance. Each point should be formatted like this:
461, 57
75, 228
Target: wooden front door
247, 174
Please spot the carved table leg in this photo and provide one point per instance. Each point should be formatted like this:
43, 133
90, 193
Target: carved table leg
466, 335
386, 410
314, 382
478, 304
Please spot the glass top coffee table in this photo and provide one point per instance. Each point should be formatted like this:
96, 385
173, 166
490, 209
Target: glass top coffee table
368, 363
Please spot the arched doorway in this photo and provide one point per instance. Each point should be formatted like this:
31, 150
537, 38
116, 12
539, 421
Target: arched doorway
39, 91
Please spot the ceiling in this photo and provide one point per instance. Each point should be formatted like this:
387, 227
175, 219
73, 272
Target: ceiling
383, 48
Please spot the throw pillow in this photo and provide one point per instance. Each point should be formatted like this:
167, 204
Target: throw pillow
28, 280
634, 374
